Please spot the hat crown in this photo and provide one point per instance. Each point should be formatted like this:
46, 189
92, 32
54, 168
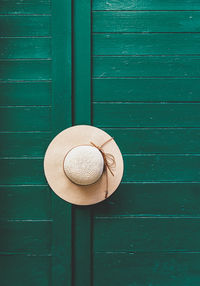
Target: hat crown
84, 165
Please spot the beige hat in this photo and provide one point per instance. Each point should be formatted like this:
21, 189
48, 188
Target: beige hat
83, 165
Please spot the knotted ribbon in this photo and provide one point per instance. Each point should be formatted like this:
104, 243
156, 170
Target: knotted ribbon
109, 161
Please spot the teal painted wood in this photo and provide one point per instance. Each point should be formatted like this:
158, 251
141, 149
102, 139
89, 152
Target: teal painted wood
25, 48
147, 114
152, 199
156, 140
25, 70
146, 66
22, 26
25, 238
82, 240
164, 269
25, 93
14, 7
162, 168
151, 89
146, 21
25, 118
25, 203
23, 144
19, 171
146, 234
25, 270
61, 267
146, 5
146, 43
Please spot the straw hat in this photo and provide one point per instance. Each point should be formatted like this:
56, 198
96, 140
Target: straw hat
83, 165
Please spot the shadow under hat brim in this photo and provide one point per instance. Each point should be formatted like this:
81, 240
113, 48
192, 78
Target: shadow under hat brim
61, 184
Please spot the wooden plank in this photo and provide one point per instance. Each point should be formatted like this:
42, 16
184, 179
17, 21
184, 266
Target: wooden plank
25, 203
146, 21
25, 237
162, 168
25, 93
146, 66
22, 26
22, 172
146, 114
145, 5
139, 234
24, 144
25, 48
25, 270
156, 141
25, 70
124, 269
82, 240
61, 263
25, 7
152, 199
25, 118
147, 43
134, 89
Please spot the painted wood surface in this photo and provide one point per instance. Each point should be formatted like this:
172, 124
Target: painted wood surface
35, 243
146, 95
145, 5
146, 90
117, 21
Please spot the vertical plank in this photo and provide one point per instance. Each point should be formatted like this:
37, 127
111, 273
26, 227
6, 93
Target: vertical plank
82, 115
62, 118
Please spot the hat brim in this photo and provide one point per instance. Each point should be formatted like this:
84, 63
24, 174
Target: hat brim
56, 177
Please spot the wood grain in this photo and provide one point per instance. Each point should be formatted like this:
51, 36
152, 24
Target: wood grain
164, 269
25, 118
146, 44
25, 93
22, 26
147, 114
146, 90
25, 48
25, 203
146, 21
145, 5
146, 66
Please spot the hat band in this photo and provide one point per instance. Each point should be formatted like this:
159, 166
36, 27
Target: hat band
109, 161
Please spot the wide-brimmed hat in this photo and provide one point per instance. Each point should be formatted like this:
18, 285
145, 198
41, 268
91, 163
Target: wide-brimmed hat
83, 165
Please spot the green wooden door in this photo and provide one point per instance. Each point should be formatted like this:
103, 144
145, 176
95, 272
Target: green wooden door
131, 68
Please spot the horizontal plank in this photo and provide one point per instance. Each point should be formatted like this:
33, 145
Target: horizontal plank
146, 114
134, 89
25, 48
146, 66
145, 5
25, 119
25, 270
24, 144
22, 172
162, 168
25, 70
138, 234
25, 6
152, 199
123, 269
147, 43
22, 93
156, 141
25, 202
24, 25
146, 21
25, 237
